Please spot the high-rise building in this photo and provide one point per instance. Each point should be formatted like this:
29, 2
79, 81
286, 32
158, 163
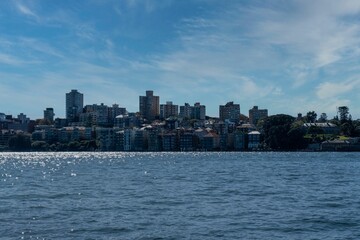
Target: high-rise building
229, 111
255, 114
168, 110
199, 111
74, 105
186, 111
49, 114
149, 106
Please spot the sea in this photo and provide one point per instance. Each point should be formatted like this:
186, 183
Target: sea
198, 195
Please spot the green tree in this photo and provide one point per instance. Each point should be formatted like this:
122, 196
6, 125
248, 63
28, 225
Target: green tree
311, 117
40, 146
281, 134
343, 113
20, 142
347, 129
322, 118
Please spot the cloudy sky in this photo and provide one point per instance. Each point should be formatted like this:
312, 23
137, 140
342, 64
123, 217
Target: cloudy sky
286, 56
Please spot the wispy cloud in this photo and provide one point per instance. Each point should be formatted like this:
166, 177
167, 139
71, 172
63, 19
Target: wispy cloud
10, 60
25, 10
327, 90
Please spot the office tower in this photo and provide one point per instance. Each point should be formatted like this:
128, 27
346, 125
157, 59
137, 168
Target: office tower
255, 114
149, 106
49, 114
230, 111
74, 105
168, 110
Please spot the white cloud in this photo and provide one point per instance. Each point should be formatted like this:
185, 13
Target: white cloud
329, 90
25, 10
8, 59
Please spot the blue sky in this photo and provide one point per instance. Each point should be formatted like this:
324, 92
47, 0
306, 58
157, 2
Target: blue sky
286, 56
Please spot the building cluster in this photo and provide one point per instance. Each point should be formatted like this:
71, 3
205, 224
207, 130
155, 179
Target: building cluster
155, 127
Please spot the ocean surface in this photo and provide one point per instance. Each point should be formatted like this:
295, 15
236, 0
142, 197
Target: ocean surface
180, 195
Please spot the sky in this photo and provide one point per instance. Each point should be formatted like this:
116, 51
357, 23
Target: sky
288, 56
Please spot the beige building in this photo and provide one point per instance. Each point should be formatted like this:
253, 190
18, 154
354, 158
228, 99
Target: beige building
149, 107
255, 114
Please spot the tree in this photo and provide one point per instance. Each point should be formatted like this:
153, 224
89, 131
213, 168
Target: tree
322, 118
343, 113
20, 142
40, 146
281, 134
347, 129
311, 117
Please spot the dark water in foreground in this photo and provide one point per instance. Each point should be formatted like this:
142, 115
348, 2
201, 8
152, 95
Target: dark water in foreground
180, 196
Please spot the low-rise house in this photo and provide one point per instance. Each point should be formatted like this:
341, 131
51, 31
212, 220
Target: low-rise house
351, 144
326, 128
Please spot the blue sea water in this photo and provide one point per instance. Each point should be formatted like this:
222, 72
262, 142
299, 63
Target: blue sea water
180, 195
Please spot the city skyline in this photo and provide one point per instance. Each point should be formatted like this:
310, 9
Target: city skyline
254, 53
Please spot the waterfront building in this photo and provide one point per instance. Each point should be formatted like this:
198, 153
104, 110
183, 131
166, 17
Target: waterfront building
49, 114
253, 140
128, 140
140, 140
211, 141
105, 138
240, 140
230, 111
154, 140
255, 114
168, 110
74, 105
149, 107
119, 140
168, 142
186, 141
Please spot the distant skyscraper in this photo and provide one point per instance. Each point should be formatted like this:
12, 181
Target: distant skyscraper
168, 110
229, 111
74, 105
149, 106
49, 114
197, 111
186, 111
255, 114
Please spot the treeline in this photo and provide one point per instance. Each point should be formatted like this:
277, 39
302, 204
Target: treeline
22, 142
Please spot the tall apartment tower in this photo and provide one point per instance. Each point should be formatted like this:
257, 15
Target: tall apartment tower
186, 111
230, 111
255, 114
168, 110
74, 105
199, 111
149, 106
49, 114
